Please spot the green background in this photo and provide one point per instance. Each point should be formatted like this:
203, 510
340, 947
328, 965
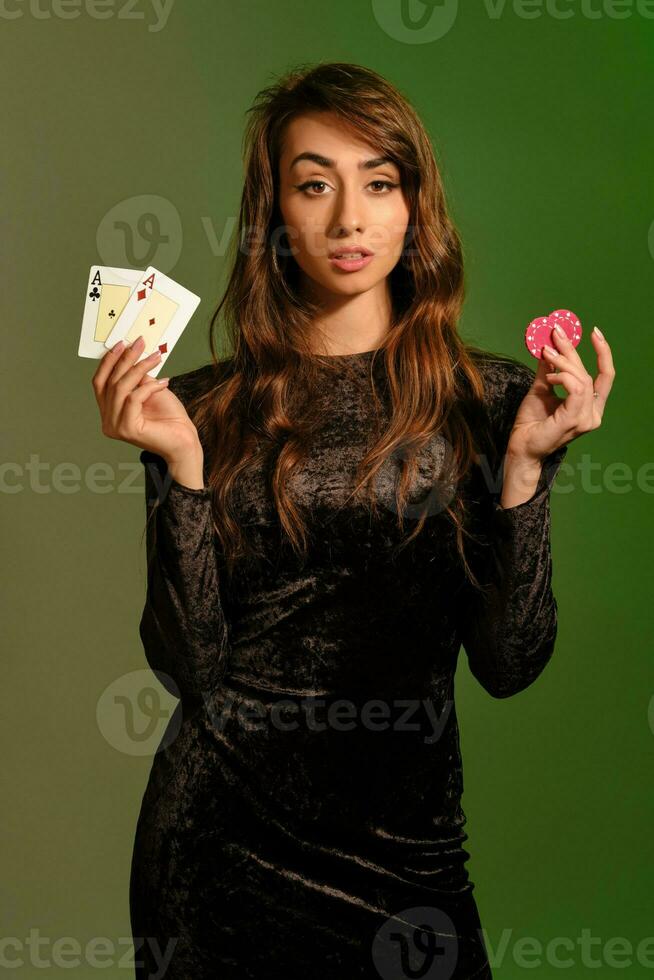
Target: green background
543, 129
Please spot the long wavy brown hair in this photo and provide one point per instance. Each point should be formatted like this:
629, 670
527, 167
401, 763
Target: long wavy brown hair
260, 408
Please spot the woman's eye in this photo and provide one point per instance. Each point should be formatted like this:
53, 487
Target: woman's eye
384, 183
313, 183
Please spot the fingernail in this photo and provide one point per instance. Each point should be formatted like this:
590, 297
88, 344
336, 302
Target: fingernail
117, 347
598, 332
561, 332
550, 351
163, 381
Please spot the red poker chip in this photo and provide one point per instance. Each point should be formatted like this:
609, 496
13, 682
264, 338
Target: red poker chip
570, 322
539, 331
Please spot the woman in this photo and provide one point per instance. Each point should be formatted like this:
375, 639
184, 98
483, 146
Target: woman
332, 511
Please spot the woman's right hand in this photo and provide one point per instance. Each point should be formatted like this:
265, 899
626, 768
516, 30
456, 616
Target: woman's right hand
141, 410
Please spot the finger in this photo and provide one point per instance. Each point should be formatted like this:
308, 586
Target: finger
562, 359
541, 381
606, 374
556, 360
580, 394
128, 381
106, 366
127, 359
543, 367
562, 343
134, 403
134, 374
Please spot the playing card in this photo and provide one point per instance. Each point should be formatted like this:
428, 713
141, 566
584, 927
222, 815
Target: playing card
106, 297
158, 309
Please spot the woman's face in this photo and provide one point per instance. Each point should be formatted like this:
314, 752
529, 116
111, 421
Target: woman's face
329, 200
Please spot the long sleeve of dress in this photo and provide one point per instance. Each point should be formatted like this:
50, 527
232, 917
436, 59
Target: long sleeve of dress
509, 630
183, 629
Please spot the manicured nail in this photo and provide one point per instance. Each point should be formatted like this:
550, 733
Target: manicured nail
598, 332
550, 351
163, 381
118, 346
561, 332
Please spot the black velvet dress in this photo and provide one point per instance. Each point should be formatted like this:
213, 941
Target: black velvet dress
303, 814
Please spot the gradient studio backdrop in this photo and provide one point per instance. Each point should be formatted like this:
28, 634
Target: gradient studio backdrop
540, 115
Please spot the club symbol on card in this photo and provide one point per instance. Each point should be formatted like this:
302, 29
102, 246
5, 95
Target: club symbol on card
94, 294
111, 314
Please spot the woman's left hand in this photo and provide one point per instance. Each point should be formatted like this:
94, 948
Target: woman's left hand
544, 421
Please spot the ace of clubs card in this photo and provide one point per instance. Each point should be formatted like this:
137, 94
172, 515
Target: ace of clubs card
107, 294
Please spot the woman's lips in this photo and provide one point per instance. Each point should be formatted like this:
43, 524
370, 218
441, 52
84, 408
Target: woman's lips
351, 265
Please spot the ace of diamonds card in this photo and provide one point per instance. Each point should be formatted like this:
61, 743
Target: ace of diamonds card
158, 309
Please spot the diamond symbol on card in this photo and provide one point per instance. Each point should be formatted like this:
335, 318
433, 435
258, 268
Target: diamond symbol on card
151, 321
141, 294
163, 348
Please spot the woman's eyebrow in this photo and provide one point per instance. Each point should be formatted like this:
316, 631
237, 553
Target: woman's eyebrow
327, 162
